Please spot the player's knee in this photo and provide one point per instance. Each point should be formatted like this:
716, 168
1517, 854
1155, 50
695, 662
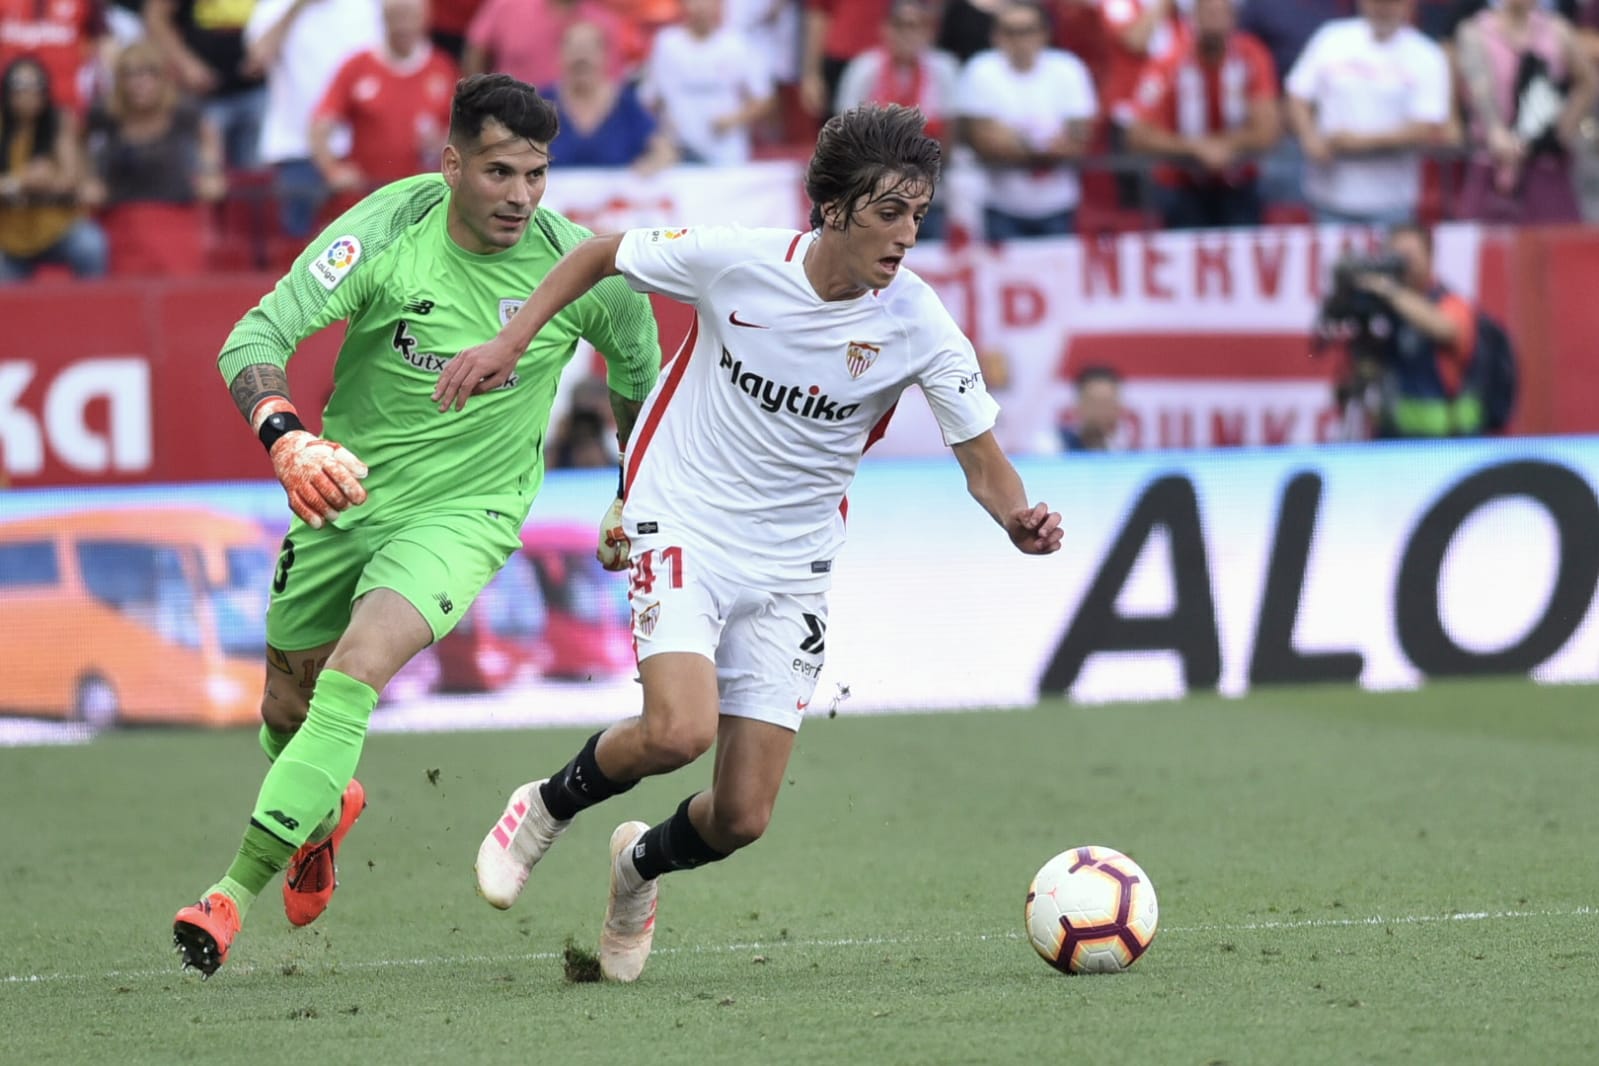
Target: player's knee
678, 740
372, 666
741, 824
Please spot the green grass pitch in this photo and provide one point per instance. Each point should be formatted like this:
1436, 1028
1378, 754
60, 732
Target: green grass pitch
1344, 878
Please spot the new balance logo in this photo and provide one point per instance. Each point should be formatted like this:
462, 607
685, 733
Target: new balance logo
291, 824
420, 307
816, 642
445, 603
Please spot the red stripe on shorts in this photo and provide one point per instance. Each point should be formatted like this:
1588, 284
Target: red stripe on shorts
674, 375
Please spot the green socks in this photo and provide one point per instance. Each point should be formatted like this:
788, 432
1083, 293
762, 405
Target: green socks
261, 855
273, 742
305, 783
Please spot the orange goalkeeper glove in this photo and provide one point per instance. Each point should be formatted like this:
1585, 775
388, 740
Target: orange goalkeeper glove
320, 477
615, 548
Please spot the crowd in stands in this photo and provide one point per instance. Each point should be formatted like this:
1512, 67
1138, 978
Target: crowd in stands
140, 134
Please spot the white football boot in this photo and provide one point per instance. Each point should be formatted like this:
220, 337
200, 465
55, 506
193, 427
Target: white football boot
629, 927
515, 845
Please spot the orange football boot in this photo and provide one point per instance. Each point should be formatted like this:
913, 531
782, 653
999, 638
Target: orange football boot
203, 932
311, 877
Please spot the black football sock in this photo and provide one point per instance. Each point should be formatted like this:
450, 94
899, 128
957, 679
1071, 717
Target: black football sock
580, 784
673, 845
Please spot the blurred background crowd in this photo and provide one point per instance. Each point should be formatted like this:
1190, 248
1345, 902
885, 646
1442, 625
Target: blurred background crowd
170, 138
137, 132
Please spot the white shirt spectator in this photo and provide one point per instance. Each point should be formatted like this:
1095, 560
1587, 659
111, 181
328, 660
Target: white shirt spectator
1037, 103
1358, 84
773, 28
322, 35
692, 82
940, 78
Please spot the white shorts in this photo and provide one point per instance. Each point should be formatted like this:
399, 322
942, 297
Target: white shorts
768, 646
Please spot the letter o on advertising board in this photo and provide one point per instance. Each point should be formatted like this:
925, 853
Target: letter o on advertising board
1569, 502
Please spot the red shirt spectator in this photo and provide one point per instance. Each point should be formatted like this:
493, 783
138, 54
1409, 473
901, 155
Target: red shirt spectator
59, 34
450, 18
1211, 104
1131, 34
836, 31
853, 26
397, 110
1197, 96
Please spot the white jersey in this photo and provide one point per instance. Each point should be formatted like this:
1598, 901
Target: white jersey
754, 430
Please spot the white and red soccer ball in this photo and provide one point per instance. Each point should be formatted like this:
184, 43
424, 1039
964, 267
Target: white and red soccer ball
1091, 910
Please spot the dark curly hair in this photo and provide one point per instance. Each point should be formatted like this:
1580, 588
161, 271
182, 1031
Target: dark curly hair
857, 149
516, 105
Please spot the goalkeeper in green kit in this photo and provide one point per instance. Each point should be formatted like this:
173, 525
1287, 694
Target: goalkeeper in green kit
402, 512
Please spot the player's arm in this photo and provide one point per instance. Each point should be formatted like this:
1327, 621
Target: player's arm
321, 478
615, 550
621, 326
994, 483
952, 382
488, 365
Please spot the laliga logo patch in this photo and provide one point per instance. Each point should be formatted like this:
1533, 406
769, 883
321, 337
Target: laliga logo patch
644, 621
656, 236
508, 310
330, 267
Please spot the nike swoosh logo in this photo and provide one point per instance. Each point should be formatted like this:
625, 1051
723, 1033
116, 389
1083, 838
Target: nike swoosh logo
732, 317
800, 705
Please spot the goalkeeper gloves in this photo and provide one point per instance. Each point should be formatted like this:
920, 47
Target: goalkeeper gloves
320, 477
615, 548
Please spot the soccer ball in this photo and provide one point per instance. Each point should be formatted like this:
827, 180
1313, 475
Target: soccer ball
1091, 910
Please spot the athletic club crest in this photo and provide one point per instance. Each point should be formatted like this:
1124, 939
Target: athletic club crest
644, 621
860, 357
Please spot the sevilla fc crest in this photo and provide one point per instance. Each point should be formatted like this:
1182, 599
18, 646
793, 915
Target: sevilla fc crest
644, 621
860, 357
508, 308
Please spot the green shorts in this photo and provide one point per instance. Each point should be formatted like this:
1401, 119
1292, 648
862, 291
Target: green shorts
438, 562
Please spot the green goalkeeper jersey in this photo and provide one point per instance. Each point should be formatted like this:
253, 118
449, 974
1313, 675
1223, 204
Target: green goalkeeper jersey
414, 298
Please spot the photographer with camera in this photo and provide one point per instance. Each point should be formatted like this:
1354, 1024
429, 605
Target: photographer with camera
1411, 344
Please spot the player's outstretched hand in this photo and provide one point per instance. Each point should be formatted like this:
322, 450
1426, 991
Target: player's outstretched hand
478, 369
616, 549
1036, 531
322, 478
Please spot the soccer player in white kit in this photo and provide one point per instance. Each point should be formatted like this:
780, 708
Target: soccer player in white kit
734, 488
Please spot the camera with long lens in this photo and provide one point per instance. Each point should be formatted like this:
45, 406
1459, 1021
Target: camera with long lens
1363, 323
1350, 310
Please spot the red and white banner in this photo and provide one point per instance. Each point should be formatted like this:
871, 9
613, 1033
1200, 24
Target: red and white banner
1211, 331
